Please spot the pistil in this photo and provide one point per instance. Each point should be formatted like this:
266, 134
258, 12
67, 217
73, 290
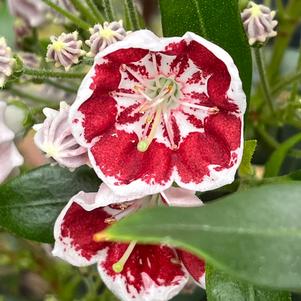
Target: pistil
119, 265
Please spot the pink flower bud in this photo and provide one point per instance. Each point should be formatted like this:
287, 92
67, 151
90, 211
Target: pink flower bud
259, 23
54, 138
65, 50
105, 35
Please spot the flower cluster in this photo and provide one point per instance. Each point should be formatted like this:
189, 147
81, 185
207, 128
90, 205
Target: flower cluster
151, 112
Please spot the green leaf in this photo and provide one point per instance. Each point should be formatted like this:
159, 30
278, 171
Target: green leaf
30, 203
253, 235
216, 20
274, 163
220, 287
245, 168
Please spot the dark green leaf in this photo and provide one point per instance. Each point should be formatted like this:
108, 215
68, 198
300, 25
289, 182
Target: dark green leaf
30, 204
216, 20
274, 164
220, 287
254, 235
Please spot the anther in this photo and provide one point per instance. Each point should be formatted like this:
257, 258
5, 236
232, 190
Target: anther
110, 220
142, 146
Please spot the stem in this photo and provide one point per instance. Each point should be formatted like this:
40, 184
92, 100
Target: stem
280, 7
273, 143
263, 78
108, 10
85, 12
286, 30
77, 21
44, 73
98, 15
61, 86
132, 13
31, 97
286, 82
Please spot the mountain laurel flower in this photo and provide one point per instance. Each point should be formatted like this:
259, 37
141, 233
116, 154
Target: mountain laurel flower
54, 138
104, 35
259, 23
65, 50
10, 157
30, 60
6, 62
32, 11
22, 29
130, 270
153, 111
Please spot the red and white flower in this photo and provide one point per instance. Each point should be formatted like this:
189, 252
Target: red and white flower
131, 271
153, 111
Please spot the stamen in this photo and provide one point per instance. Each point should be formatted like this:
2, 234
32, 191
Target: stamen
119, 265
211, 110
144, 144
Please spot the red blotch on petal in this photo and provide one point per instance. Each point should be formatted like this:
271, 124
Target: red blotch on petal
194, 265
127, 56
219, 81
224, 127
80, 225
116, 155
196, 153
159, 263
107, 78
99, 115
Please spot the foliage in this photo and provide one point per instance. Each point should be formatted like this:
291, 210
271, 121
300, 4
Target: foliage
248, 232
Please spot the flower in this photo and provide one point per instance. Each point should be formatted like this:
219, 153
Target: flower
104, 35
10, 158
66, 5
54, 137
22, 29
153, 111
131, 271
32, 11
259, 23
30, 60
6, 62
65, 50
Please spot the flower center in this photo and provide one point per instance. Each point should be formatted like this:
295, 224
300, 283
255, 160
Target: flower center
106, 33
158, 97
161, 96
58, 46
255, 10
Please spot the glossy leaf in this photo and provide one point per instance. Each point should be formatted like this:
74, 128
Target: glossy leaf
220, 287
254, 235
216, 20
30, 203
275, 162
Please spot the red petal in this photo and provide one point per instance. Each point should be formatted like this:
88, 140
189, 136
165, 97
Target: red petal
120, 163
196, 153
127, 56
99, 115
219, 81
226, 128
150, 273
194, 265
74, 230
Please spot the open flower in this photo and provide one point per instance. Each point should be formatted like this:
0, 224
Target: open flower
6, 62
131, 271
153, 111
32, 11
104, 35
259, 23
10, 158
65, 50
54, 137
